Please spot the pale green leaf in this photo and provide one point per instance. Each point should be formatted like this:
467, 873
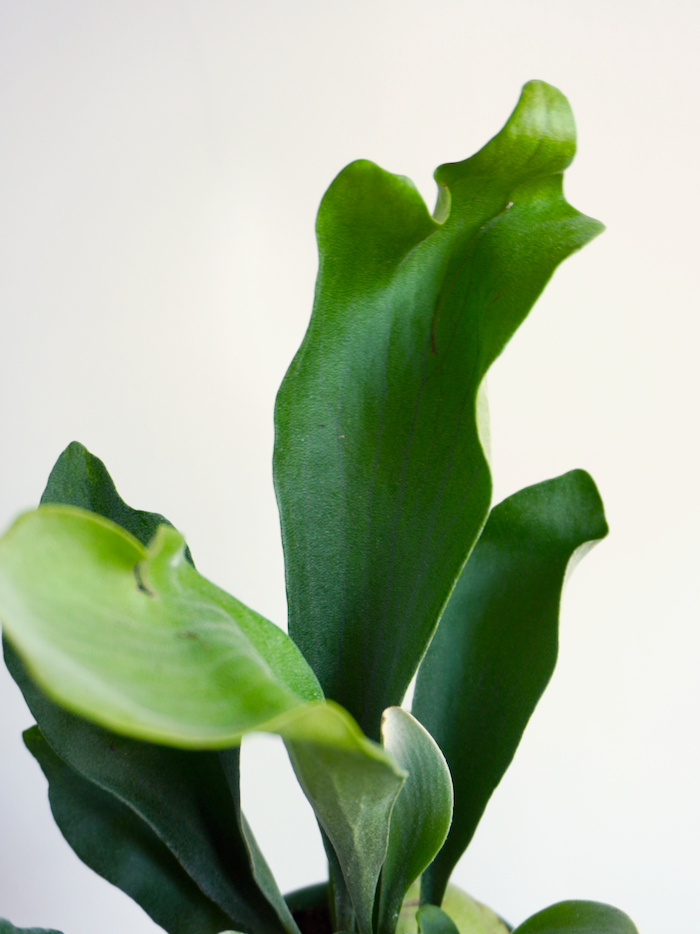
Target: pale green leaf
422, 814
136, 640
468, 915
352, 791
188, 800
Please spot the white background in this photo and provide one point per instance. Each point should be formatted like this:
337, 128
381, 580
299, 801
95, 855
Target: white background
161, 166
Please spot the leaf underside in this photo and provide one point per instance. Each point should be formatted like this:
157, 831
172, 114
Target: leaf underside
133, 639
381, 480
496, 646
353, 797
187, 801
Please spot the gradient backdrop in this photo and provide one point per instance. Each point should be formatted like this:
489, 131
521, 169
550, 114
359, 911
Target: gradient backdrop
161, 166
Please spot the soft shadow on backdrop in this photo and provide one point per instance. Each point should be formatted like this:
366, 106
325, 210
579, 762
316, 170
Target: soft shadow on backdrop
161, 166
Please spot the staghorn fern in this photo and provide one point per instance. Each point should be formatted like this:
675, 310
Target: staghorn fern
143, 676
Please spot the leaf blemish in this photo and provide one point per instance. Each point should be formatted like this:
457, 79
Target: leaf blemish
139, 582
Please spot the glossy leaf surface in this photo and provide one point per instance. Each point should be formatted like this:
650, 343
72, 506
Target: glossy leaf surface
352, 793
496, 646
578, 918
136, 640
422, 814
191, 800
382, 483
123, 849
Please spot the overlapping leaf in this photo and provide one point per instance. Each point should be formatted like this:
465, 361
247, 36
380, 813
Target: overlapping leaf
353, 796
422, 813
578, 918
133, 639
383, 489
381, 479
187, 800
496, 646
469, 916
80, 479
110, 838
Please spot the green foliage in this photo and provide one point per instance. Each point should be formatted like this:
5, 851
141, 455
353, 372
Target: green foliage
144, 676
81, 479
353, 797
496, 646
185, 803
422, 814
578, 918
113, 841
188, 800
433, 920
381, 479
7, 928
469, 916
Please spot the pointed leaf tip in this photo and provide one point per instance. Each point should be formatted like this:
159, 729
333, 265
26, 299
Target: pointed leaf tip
496, 646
